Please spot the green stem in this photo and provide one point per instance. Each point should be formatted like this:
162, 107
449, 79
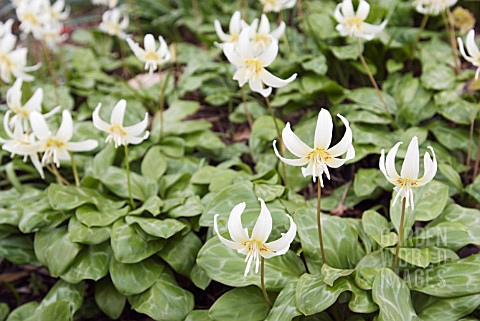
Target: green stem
127, 165
60, 179
423, 24
74, 169
247, 111
279, 137
372, 80
319, 221
51, 71
400, 234
262, 281
449, 24
163, 86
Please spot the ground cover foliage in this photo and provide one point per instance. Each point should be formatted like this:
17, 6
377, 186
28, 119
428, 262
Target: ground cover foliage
71, 252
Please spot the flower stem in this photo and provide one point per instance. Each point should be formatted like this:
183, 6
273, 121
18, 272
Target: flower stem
279, 137
400, 234
60, 179
319, 221
74, 169
477, 160
448, 20
262, 281
127, 165
247, 111
163, 86
51, 71
372, 80
423, 24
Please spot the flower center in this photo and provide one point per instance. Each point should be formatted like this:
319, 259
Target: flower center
319, 154
253, 65
354, 22
118, 130
269, 2
403, 182
262, 38
54, 143
30, 18
151, 56
7, 61
255, 246
234, 37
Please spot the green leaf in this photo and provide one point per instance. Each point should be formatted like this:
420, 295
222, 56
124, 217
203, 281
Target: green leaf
191, 207
430, 201
227, 266
151, 205
374, 223
18, 249
49, 244
431, 73
181, 252
154, 163
364, 183
71, 293
285, 306
164, 301
413, 256
226, 307
80, 233
318, 64
165, 228
269, 192
23, 312
137, 277
59, 310
368, 96
451, 309
108, 299
330, 275
199, 277
340, 240
451, 175
393, 297
198, 315
90, 264
130, 247
115, 179
4, 310
91, 217
39, 215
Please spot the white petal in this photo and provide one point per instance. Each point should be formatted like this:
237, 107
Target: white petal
390, 162
235, 227
294, 144
323, 130
430, 168
218, 29
264, 27
269, 54
37, 164
244, 47
383, 169
347, 8
345, 144
65, 132
292, 162
278, 33
263, 226
282, 245
118, 113
35, 102
335, 162
98, 122
257, 86
83, 146
273, 81
410, 165
471, 45
227, 243
232, 55
363, 9
137, 129
337, 13
39, 126
149, 43
234, 26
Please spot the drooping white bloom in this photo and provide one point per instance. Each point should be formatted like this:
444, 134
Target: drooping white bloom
473, 56
109, 3
21, 143
255, 245
321, 156
114, 24
50, 34
261, 36
119, 134
31, 14
433, 7
235, 27
57, 11
408, 178
151, 56
13, 61
277, 5
351, 23
57, 147
251, 64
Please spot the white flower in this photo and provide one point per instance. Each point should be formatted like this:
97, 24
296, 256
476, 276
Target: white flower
57, 11
473, 52
31, 14
353, 24
21, 143
251, 65
112, 25
433, 7
119, 134
261, 36
235, 27
6, 27
151, 56
408, 178
57, 147
13, 61
51, 34
321, 157
109, 3
256, 245
277, 5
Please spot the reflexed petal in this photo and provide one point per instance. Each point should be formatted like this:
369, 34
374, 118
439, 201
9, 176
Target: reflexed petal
35, 102
98, 122
472, 47
370, 30
462, 51
264, 27
263, 226
231, 54
269, 54
347, 9
477, 73
323, 130
218, 29
278, 33
227, 243
384, 171
39, 126
257, 86
363, 9
65, 131
83, 146
282, 245
38, 166
118, 112
234, 26
345, 144
335, 162
292, 162
137, 129
149, 43
243, 45
294, 144
337, 14
430, 168
410, 165
137, 140
390, 162
137, 51
274, 81
235, 227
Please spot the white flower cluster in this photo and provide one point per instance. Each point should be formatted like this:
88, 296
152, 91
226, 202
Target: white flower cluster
42, 19
113, 22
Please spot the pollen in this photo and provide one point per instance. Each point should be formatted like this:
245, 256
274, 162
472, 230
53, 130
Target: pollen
254, 64
151, 56
117, 129
54, 143
406, 182
355, 22
319, 154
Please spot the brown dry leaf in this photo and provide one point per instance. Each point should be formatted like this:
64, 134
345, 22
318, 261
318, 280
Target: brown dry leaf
13, 276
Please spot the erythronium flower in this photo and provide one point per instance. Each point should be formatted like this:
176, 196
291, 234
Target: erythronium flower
235, 27
151, 56
351, 23
321, 156
255, 246
433, 7
251, 64
473, 52
408, 178
22, 111
13, 61
113, 23
109, 3
31, 14
20, 143
119, 134
57, 147
261, 36
277, 5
